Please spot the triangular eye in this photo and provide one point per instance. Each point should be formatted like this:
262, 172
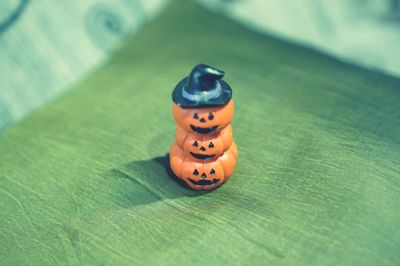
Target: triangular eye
210, 116
195, 172
212, 171
196, 116
195, 143
211, 145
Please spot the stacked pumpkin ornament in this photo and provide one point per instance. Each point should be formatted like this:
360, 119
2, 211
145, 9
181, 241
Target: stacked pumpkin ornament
203, 154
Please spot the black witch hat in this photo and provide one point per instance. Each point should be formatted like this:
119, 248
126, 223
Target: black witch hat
204, 87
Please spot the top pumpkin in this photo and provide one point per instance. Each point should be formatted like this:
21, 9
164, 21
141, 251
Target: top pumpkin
203, 101
203, 120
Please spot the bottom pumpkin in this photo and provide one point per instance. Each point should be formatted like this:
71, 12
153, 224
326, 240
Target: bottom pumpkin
199, 174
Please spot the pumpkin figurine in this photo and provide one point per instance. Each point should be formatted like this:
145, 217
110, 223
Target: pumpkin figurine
203, 154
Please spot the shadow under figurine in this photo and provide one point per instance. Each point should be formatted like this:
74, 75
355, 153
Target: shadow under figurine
203, 154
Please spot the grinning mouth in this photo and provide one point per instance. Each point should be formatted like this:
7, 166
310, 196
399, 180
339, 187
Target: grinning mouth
204, 130
202, 156
204, 182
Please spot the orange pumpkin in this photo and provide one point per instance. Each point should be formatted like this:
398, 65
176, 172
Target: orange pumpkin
204, 147
200, 174
203, 120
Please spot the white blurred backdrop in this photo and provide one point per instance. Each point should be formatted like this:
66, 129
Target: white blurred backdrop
46, 46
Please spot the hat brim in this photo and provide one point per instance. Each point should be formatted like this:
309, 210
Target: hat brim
221, 100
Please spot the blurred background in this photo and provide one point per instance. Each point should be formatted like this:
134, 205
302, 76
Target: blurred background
47, 46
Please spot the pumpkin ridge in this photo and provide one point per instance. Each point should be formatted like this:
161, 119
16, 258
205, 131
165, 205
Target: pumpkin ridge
184, 139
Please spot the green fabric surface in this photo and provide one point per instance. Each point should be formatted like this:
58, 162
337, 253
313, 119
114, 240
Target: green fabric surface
82, 180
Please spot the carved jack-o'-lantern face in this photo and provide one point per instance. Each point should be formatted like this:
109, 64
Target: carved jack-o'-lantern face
204, 149
203, 176
203, 120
